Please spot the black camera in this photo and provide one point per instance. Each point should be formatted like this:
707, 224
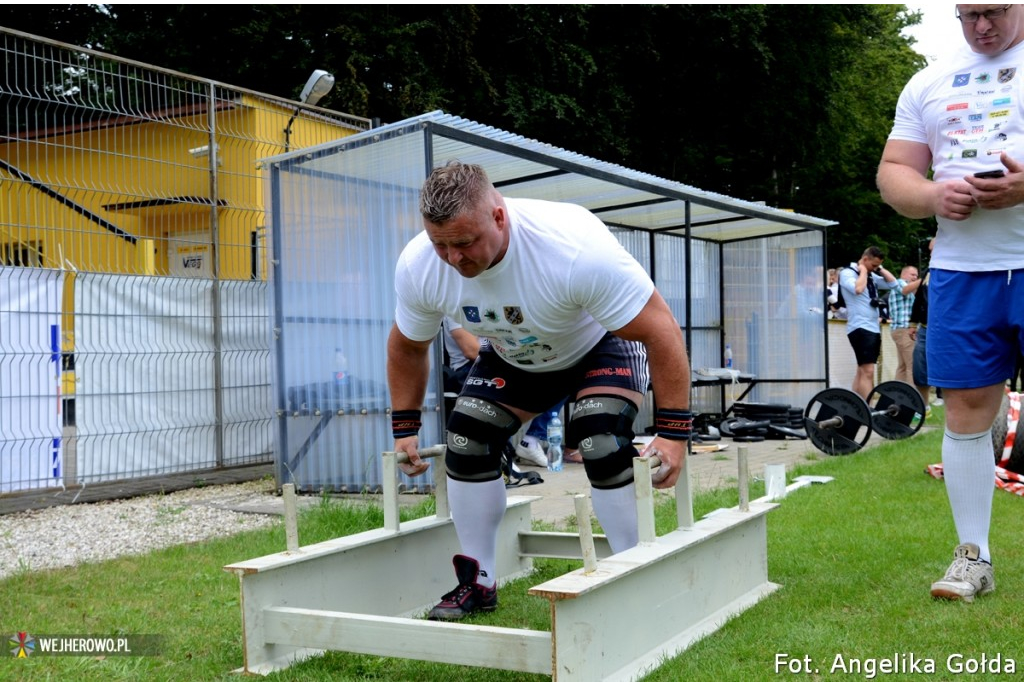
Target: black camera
877, 302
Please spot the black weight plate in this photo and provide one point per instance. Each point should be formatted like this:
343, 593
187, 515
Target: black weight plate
770, 418
897, 410
780, 432
748, 438
856, 421
1000, 429
741, 426
747, 426
760, 407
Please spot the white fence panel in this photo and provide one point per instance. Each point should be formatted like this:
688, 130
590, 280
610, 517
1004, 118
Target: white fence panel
30, 372
146, 381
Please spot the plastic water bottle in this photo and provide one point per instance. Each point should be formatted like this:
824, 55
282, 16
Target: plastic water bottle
555, 443
728, 356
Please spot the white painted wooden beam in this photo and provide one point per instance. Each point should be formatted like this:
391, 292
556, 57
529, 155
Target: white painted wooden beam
512, 649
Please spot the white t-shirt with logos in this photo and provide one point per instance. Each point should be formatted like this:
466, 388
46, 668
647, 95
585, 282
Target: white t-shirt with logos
563, 283
967, 109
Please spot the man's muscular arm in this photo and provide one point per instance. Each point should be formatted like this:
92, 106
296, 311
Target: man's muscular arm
408, 371
658, 330
903, 182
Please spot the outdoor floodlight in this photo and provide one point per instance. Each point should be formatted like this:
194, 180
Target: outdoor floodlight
318, 85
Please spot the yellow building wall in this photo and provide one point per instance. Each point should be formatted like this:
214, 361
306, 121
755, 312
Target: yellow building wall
70, 190
135, 175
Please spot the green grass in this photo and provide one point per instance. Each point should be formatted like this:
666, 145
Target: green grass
854, 558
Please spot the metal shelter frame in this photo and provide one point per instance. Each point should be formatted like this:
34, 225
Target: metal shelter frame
644, 210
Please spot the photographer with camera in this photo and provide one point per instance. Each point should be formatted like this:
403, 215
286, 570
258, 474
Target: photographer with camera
860, 283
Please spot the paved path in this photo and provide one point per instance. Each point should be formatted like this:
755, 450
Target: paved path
708, 471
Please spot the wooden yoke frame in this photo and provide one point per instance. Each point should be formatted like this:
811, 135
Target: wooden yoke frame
614, 619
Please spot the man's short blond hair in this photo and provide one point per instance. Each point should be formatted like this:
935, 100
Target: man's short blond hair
452, 190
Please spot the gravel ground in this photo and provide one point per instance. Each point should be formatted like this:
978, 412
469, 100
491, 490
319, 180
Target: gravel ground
71, 534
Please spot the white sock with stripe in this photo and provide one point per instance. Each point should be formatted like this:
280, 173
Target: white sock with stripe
969, 469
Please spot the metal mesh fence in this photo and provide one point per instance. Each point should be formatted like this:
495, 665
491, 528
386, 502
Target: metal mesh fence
134, 330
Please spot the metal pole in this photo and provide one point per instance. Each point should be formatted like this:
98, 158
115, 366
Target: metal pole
218, 321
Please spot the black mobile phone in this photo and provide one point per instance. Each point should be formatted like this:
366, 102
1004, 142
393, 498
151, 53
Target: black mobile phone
995, 173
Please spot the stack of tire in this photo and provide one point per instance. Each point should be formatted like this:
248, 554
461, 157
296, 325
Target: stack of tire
1006, 433
754, 422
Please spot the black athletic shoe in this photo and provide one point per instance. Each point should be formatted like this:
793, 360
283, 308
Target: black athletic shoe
469, 597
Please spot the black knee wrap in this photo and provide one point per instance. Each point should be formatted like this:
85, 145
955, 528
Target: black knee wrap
602, 427
477, 433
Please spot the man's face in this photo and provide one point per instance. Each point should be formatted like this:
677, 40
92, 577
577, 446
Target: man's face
909, 274
472, 242
872, 263
991, 36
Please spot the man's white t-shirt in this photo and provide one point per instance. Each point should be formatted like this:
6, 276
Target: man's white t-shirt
563, 283
967, 109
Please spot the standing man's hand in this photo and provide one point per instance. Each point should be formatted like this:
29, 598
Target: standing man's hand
953, 200
999, 193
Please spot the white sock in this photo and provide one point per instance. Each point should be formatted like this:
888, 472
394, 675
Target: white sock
477, 509
616, 512
969, 470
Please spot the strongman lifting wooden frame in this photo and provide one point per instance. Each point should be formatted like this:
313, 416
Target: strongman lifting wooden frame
614, 619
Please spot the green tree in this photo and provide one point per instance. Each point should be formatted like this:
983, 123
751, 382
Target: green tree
786, 104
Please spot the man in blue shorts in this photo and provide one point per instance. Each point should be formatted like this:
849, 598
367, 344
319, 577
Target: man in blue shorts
564, 311
861, 282
919, 316
962, 119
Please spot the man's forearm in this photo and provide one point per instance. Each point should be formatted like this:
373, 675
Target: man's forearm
670, 371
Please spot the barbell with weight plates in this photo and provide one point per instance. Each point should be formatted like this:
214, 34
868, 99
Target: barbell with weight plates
838, 421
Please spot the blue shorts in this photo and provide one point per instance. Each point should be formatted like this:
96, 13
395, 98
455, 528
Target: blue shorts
612, 362
921, 358
975, 327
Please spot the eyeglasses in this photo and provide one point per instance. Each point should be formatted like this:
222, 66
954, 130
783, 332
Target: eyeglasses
989, 15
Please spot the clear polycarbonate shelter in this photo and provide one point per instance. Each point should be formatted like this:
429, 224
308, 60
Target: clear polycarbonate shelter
734, 272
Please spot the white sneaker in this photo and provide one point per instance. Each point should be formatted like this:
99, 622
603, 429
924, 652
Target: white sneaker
938, 402
530, 451
967, 577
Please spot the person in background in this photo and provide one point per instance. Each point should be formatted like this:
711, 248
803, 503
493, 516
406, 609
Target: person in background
861, 282
919, 316
973, 184
532, 448
901, 301
461, 349
834, 310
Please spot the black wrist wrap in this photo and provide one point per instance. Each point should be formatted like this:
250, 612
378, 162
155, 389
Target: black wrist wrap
405, 423
673, 424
